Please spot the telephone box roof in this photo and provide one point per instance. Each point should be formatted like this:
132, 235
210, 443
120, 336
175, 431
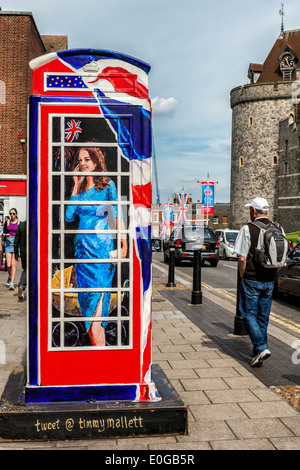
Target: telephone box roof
78, 58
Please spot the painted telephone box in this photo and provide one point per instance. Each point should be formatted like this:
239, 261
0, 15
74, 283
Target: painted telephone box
89, 305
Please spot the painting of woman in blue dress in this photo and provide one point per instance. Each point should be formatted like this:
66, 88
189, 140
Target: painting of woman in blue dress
94, 246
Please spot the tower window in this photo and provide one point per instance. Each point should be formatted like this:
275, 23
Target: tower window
241, 161
250, 122
275, 160
287, 74
286, 145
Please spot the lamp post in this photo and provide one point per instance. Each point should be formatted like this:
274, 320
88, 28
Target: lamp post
171, 280
196, 292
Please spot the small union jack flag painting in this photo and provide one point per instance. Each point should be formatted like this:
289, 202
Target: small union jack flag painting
182, 208
72, 131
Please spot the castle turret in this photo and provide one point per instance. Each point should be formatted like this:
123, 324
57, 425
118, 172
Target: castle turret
257, 109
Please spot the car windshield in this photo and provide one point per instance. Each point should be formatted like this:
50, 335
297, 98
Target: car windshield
194, 232
231, 236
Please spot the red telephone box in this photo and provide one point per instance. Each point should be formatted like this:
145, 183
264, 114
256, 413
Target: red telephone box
89, 303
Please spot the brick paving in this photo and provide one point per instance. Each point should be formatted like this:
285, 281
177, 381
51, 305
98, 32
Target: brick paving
228, 407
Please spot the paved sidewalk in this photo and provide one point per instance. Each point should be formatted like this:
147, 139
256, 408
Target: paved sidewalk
229, 408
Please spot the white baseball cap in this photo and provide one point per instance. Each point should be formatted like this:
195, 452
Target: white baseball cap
259, 203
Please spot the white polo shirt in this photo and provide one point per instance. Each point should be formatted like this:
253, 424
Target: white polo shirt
243, 241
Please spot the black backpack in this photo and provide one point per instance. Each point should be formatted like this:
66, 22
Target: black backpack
272, 246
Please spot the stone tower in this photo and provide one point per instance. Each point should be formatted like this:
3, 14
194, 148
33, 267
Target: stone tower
257, 109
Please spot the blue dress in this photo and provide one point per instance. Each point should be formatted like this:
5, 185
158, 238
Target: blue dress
93, 246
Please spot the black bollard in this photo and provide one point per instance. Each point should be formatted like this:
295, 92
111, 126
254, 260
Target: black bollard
171, 281
239, 328
196, 292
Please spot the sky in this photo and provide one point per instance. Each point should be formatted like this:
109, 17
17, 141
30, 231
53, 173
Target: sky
198, 51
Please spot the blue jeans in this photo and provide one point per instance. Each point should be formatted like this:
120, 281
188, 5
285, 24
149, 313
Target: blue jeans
255, 300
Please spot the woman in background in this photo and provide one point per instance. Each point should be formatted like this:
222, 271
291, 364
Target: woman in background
9, 237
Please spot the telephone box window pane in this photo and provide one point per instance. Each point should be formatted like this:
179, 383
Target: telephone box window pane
88, 129
125, 274
56, 335
86, 276
69, 331
56, 130
104, 158
69, 158
125, 159
125, 304
72, 333
82, 189
125, 333
90, 246
75, 334
124, 130
56, 188
55, 304
125, 187
110, 159
56, 246
56, 159
56, 217
117, 334
92, 217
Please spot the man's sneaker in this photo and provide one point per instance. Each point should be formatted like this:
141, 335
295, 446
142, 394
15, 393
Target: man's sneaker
11, 286
259, 358
20, 294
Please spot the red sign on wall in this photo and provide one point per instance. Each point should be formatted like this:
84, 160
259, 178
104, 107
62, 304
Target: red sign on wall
13, 187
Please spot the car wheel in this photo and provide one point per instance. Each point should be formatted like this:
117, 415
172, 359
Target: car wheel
213, 263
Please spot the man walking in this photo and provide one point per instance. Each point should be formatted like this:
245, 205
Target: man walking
257, 283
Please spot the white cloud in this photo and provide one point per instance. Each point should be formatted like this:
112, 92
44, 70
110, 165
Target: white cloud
163, 105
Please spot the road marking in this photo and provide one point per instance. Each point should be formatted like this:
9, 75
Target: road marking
229, 266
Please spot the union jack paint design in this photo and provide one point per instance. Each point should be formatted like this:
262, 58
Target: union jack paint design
182, 208
72, 131
114, 86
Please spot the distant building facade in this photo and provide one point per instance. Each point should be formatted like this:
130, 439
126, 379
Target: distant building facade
257, 158
20, 42
288, 181
220, 218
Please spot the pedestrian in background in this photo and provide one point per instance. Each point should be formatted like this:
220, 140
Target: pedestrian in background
20, 251
257, 283
9, 234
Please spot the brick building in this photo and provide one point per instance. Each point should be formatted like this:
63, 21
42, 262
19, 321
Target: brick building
20, 42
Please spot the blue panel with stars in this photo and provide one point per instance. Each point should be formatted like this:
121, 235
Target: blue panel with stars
64, 82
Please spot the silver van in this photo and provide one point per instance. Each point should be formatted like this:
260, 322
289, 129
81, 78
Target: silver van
227, 238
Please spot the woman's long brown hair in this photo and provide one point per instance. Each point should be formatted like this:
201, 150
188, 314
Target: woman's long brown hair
98, 158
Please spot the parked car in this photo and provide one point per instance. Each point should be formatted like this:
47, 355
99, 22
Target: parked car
184, 239
288, 278
227, 240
